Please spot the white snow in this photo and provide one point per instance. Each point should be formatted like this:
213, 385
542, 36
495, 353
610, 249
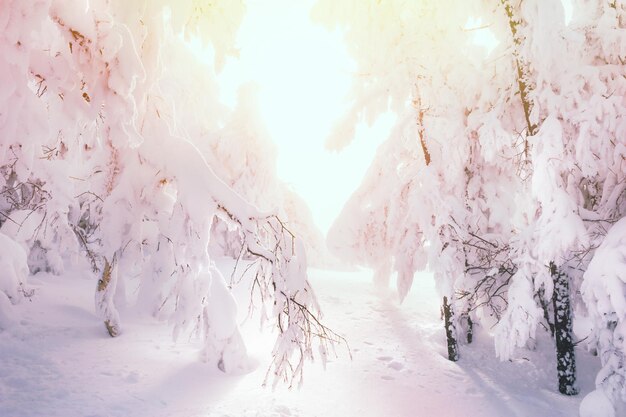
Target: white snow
59, 361
123, 175
596, 404
13, 273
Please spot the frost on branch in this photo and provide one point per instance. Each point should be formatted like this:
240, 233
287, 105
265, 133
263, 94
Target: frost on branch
281, 281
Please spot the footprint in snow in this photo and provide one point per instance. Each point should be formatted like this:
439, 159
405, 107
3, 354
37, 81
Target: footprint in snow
453, 374
387, 378
132, 378
395, 365
282, 411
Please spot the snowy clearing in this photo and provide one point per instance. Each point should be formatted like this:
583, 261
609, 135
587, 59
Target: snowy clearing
59, 361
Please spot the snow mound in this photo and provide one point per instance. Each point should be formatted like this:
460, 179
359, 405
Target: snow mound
13, 273
13, 268
596, 404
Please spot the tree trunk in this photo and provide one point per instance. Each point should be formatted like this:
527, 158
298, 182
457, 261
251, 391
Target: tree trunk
565, 358
105, 292
470, 330
523, 84
450, 325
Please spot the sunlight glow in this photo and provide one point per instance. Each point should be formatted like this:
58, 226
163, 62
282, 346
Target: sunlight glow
303, 73
482, 35
568, 10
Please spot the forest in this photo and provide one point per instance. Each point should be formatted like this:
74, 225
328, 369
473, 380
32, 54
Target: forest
503, 178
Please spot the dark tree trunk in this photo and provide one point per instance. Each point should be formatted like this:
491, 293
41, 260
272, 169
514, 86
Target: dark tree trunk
450, 325
565, 358
470, 330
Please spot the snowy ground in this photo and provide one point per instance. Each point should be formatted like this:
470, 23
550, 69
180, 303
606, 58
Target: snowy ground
58, 361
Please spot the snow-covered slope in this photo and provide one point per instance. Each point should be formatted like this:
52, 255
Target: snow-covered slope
57, 360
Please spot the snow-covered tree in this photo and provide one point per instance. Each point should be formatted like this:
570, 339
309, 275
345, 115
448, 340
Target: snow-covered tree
604, 292
542, 276
243, 155
98, 161
450, 144
577, 104
515, 158
594, 124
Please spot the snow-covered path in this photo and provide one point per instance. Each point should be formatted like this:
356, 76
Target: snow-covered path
58, 361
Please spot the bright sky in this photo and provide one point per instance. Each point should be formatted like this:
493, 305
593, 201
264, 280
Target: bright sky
303, 72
